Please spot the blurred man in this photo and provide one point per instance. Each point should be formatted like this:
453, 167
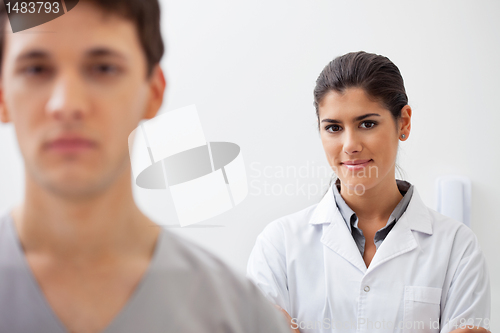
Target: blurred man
77, 255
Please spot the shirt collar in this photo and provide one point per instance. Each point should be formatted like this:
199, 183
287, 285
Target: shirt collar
350, 218
417, 215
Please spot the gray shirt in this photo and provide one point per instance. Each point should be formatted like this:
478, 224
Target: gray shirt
185, 289
351, 220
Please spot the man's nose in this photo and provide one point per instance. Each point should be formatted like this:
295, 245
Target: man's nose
68, 100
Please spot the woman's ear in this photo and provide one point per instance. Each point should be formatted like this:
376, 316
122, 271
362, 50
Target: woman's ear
405, 122
157, 87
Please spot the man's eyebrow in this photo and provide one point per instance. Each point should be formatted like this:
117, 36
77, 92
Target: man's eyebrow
96, 52
104, 51
33, 54
327, 120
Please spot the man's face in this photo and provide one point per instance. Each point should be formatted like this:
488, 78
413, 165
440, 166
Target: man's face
75, 88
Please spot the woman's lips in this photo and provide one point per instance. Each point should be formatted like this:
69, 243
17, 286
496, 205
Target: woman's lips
356, 166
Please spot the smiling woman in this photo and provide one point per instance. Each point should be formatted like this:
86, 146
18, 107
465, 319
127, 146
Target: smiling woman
370, 254
368, 82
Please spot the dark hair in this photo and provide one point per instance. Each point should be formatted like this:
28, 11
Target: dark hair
145, 14
375, 74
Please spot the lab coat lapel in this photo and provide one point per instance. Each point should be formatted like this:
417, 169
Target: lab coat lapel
401, 239
336, 235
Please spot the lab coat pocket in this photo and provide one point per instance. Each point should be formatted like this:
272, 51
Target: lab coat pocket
421, 309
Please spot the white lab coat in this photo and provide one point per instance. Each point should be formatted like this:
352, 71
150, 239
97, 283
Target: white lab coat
428, 275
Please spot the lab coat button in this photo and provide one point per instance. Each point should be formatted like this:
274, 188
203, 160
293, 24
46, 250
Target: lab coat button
367, 288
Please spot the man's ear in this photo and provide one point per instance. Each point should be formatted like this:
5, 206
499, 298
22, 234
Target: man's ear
4, 114
157, 87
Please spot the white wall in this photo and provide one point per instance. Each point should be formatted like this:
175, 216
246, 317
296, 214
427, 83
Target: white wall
250, 67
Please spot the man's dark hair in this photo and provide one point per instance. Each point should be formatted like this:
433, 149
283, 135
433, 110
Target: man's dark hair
144, 13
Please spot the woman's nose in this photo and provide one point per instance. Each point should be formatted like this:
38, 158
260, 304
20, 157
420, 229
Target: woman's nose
351, 143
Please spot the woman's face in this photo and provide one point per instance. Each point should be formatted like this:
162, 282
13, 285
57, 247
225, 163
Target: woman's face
356, 129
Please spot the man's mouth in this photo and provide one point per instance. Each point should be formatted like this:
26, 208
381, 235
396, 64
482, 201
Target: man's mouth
70, 144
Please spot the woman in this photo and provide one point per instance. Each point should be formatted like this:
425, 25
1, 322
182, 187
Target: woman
370, 256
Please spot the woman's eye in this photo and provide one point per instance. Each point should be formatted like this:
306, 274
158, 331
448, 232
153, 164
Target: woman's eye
371, 124
332, 128
365, 124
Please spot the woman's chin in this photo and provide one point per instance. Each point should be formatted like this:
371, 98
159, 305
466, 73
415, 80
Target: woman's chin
356, 185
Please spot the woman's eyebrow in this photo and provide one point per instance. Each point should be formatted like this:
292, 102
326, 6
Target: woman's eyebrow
327, 120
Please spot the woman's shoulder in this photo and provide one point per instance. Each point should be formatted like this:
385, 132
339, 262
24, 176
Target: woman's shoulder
444, 230
453, 231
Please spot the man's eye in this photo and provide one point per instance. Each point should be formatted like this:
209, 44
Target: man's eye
35, 70
105, 69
